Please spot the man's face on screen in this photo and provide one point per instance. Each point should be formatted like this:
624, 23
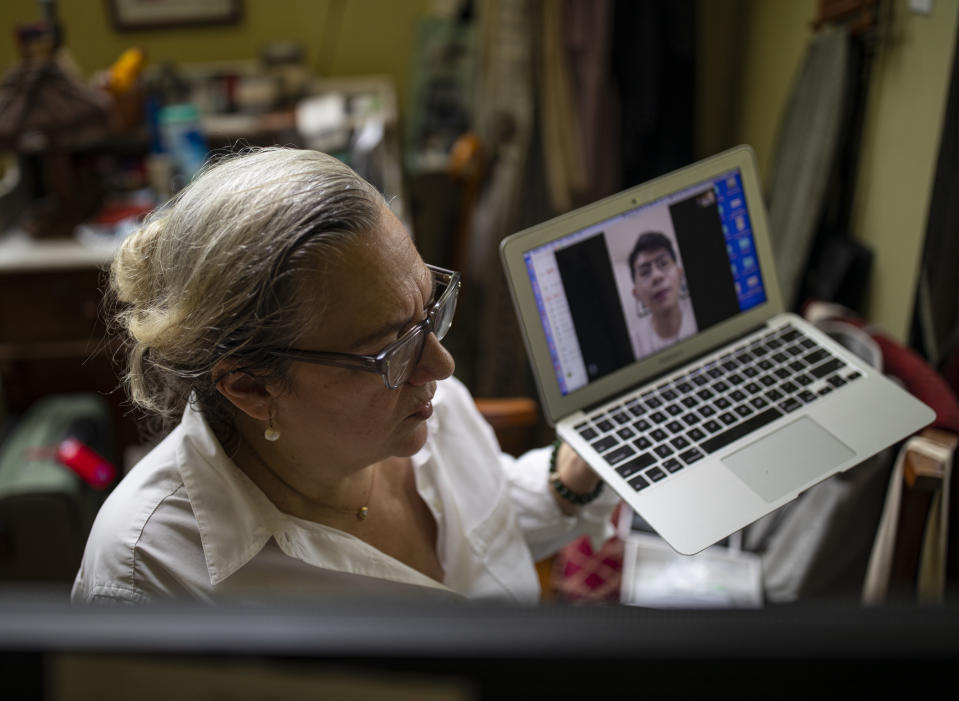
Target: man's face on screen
656, 280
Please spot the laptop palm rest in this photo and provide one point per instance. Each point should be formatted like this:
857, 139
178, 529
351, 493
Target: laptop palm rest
788, 459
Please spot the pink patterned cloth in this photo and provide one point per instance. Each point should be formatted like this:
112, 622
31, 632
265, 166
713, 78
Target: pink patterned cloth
582, 575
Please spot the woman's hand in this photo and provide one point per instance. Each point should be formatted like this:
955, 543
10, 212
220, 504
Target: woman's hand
573, 472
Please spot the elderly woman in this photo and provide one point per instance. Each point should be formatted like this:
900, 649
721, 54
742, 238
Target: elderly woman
284, 329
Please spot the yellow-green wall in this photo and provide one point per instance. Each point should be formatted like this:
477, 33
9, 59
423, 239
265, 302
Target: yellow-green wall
900, 146
755, 62
372, 37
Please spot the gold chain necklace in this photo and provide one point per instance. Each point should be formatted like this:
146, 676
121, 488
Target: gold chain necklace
361, 513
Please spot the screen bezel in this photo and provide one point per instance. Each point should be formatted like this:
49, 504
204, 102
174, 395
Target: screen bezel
555, 404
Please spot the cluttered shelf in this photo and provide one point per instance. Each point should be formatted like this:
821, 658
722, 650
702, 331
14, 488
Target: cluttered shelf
83, 161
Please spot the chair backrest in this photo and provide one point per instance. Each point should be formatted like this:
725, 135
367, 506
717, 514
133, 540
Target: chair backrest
514, 420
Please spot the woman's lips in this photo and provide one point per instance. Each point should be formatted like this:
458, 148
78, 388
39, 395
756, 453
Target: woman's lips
424, 412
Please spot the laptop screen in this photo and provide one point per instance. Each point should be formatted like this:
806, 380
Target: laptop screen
628, 287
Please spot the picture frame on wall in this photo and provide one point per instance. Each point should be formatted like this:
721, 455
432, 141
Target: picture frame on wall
162, 14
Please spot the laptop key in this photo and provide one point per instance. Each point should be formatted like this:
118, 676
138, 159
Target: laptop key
604, 444
638, 482
655, 474
672, 465
617, 456
640, 462
605, 425
720, 440
713, 426
816, 357
663, 451
643, 443
692, 455
790, 404
827, 368
727, 418
588, 434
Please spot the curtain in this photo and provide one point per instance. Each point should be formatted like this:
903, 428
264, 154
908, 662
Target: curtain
577, 99
936, 317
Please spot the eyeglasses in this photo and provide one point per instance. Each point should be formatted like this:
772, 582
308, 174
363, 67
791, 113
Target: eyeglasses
662, 263
396, 362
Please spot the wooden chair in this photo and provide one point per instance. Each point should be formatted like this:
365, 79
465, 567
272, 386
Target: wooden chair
514, 420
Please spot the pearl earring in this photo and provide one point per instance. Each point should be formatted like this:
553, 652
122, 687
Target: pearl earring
271, 434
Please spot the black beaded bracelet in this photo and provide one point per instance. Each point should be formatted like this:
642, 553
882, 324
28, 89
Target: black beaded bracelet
564, 491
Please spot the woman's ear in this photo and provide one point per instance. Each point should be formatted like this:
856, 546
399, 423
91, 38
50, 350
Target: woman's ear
244, 389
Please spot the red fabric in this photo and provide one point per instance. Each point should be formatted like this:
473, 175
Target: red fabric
951, 370
581, 575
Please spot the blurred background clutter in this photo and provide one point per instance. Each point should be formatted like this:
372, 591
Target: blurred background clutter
476, 118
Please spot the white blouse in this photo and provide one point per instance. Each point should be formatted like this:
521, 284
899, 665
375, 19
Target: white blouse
187, 522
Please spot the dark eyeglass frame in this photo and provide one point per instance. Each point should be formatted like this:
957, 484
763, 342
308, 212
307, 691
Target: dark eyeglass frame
382, 363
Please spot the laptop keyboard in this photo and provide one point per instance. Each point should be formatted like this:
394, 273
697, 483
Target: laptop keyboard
658, 432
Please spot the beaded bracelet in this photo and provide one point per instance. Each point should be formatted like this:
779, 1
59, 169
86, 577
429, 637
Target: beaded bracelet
562, 489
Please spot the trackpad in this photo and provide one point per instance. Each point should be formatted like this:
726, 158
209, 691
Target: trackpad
788, 459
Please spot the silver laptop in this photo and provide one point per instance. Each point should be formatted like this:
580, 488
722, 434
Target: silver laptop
663, 356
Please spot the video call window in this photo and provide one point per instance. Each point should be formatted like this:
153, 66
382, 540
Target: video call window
620, 291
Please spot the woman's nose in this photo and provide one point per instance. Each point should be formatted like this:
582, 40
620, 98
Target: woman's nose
436, 363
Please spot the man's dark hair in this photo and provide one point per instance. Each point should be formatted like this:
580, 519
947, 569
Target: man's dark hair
649, 241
